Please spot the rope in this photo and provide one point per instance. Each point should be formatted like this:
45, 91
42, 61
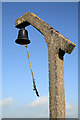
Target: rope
34, 85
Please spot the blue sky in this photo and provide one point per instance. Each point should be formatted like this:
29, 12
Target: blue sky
16, 75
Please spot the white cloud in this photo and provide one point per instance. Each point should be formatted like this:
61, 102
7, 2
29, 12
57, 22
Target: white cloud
71, 111
27, 111
7, 102
39, 101
68, 106
36, 109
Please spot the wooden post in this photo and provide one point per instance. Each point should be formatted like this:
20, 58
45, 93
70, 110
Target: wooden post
58, 45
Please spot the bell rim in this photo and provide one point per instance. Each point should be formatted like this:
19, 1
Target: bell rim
19, 41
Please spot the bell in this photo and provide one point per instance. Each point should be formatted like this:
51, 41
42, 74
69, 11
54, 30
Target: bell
22, 37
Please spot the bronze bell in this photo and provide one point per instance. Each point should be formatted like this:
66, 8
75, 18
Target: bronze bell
22, 37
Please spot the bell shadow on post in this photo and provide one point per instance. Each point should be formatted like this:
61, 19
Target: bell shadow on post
61, 54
